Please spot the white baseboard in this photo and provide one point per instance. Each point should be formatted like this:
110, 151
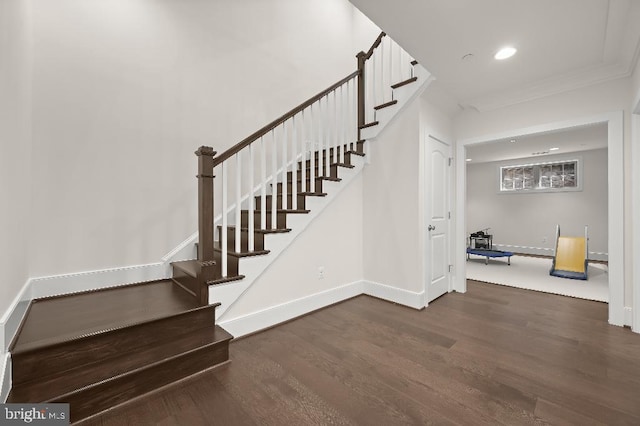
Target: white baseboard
628, 316
5, 377
395, 295
256, 321
265, 318
94, 280
542, 251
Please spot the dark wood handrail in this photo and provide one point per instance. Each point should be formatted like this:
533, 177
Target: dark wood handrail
374, 45
266, 129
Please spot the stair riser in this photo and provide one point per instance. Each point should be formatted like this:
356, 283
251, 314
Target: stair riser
258, 240
301, 202
86, 375
281, 220
186, 281
54, 360
95, 399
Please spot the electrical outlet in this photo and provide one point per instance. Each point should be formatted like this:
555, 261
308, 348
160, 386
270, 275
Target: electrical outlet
544, 240
320, 272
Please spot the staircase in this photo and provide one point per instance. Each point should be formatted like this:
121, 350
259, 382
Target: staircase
98, 349
270, 186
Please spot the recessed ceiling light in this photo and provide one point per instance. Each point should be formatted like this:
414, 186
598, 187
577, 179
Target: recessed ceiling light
468, 57
468, 159
553, 149
505, 52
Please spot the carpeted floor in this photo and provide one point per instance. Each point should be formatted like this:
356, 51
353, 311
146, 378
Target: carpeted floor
532, 273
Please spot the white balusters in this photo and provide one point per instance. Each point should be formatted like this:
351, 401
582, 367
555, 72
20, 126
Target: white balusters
312, 139
390, 80
238, 235
303, 150
294, 163
309, 141
343, 121
263, 185
388, 65
327, 137
223, 237
250, 219
274, 180
274, 190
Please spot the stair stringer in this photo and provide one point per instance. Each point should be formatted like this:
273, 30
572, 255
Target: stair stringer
253, 267
404, 95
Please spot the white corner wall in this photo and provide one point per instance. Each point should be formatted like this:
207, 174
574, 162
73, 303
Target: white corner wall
526, 222
124, 92
15, 151
391, 245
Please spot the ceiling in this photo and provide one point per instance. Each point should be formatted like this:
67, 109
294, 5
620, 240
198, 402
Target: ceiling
562, 44
537, 145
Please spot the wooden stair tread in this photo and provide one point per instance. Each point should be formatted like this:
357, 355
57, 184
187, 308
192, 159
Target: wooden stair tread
292, 211
263, 231
218, 247
404, 83
345, 165
330, 178
86, 375
313, 194
364, 126
386, 104
57, 319
226, 280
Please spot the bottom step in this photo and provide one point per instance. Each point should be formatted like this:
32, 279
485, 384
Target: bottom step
207, 348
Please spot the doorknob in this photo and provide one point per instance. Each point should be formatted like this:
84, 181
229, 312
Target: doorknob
431, 228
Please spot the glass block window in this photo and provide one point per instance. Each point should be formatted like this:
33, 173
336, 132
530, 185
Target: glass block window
541, 176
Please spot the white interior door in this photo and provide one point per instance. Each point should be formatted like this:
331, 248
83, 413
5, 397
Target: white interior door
438, 212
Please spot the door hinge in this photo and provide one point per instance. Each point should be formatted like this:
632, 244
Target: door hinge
450, 160
449, 215
450, 268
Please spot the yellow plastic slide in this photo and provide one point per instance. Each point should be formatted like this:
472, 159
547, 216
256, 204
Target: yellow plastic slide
570, 260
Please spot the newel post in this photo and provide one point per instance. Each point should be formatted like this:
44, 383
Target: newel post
361, 61
205, 203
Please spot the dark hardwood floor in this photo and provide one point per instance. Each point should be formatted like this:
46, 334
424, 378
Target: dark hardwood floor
495, 355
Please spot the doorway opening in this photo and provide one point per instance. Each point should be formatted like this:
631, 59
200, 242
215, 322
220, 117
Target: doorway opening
615, 207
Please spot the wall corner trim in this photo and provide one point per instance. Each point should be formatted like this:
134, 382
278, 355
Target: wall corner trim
5, 377
628, 317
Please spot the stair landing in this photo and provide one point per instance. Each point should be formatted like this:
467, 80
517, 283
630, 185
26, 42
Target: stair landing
62, 318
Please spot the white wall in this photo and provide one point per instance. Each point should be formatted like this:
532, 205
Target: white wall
333, 240
125, 91
602, 98
528, 220
392, 247
15, 149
